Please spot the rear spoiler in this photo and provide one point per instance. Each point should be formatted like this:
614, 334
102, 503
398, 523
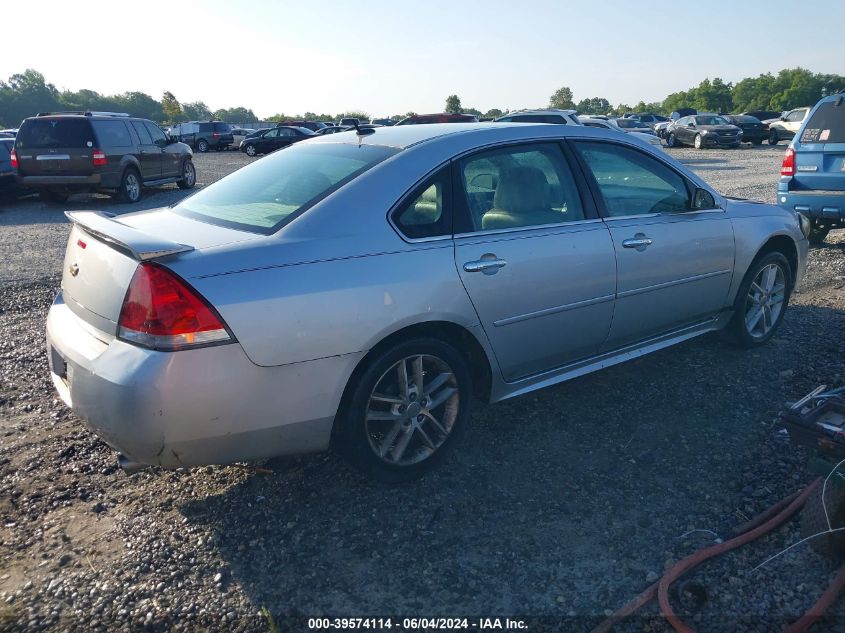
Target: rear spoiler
142, 246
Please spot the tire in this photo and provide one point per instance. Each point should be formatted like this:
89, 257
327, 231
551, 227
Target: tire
813, 521
750, 327
698, 142
54, 197
818, 232
250, 150
130, 186
189, 175
374, 443
202, 145
773, 137
671, 141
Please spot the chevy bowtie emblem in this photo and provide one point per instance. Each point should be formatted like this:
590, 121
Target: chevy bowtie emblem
73, 269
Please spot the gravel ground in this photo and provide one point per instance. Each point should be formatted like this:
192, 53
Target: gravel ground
561, 504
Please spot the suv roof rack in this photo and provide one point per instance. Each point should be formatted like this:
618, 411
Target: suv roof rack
85, 113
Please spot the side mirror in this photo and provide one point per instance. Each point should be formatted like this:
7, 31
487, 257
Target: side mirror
703, 199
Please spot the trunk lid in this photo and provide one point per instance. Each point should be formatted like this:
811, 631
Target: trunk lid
103, 252
55, 146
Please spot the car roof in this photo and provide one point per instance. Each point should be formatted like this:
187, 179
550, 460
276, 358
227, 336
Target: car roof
404, 136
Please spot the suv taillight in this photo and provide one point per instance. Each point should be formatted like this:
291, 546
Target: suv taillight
787, 168
216, 135
162, 312
14, 158
98, 158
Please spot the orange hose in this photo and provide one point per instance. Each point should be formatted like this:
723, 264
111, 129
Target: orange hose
758, 526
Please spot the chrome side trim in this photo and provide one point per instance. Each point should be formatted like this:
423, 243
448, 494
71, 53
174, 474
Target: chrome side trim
535, 227
554, 310
506, 390
675, 282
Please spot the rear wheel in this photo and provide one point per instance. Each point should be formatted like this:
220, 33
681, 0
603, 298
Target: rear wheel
818, 232
761, 300
130, 186
698, 142
406, 410
202, 145
189, 176
773, 137
54, 196
671, 141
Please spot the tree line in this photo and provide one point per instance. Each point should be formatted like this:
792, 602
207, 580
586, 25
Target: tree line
27, 93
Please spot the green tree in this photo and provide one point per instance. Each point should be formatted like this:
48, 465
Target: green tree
493, 113
474, 111
562, 99
196, 111
171, 107
235, 115
453, 104
139, 104
594, 105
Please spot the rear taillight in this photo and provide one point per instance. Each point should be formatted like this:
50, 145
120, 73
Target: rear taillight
14, 158
787, 168
216, 135
163, 312
98, 158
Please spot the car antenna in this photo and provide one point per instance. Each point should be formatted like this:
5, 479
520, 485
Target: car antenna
362, 132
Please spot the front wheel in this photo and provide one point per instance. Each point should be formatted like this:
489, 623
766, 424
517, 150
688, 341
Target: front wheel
189, 176
406, 410
671, 141
773, 137
202, 145
250, 150
699, 141
761, 300
130, 186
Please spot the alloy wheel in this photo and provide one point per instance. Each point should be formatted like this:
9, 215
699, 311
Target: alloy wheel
766, 297
189, 174
132, 186
412, 410
250, 150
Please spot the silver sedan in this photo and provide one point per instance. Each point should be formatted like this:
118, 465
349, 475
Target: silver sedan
356, 291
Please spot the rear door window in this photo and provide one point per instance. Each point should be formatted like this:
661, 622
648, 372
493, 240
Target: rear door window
145, 137
826, 125
55, 133
112, 133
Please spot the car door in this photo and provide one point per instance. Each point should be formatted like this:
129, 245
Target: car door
170, 160
266, 143
684, 130
534, 258
674, 247
149, 155
286, 137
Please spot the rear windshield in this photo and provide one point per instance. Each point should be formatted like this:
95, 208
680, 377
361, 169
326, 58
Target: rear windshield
826, 125
264, 196
54, 134
744, 118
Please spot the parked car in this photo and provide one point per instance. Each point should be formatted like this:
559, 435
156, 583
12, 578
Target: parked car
552, 115
610, 124
753, 130
648, 118
349, 122
784, 129
386, 122
660, 128
763, 115
311, 299
812, 177
239, 134
9, 185
273, 139
703, 130
58, 154
425, 119
203, 135
9, 133
333, 129
308, 125
258, 132
634, 125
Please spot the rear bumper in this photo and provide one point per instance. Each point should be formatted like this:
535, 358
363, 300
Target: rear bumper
817, 205
34, 181
205, 406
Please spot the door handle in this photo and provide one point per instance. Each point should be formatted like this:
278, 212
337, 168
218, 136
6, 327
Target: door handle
486, 266
639, 241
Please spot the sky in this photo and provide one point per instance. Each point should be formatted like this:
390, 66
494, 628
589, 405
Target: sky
390, 57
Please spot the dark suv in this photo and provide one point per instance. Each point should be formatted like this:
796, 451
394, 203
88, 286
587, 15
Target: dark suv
61, 153
812, 177
204, 135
